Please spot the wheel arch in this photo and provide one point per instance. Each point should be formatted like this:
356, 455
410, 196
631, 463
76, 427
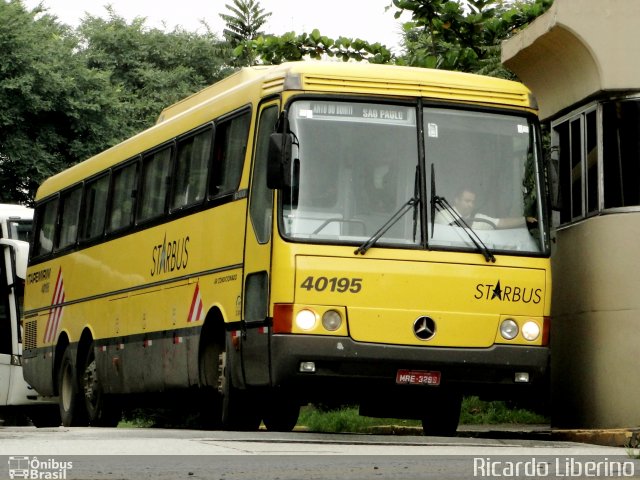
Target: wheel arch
86, 339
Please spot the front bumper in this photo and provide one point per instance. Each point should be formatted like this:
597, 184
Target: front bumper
347, 368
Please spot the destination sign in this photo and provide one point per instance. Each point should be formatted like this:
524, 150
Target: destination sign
358, 112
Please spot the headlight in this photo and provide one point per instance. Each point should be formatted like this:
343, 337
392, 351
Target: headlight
530, 331
331, 320
305, 319
509, 329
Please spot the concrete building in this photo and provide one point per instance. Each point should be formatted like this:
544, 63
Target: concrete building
581, 59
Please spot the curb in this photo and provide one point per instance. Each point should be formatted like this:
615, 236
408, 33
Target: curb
619, 437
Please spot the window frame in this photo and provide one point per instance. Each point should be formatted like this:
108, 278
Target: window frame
209, 127
601, 165
83, 238
220, 196
136, 162
149, 158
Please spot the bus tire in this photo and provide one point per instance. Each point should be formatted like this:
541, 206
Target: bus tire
281, 413
73, 412
443, 415
237, 411
102, 410
45, 416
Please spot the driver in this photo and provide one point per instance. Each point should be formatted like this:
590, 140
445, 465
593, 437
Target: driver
464, 204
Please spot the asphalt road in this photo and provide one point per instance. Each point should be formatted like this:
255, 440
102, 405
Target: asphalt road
115, 454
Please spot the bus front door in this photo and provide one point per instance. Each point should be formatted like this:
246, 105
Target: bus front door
257, 262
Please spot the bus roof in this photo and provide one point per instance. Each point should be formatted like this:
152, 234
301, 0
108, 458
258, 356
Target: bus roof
253, 83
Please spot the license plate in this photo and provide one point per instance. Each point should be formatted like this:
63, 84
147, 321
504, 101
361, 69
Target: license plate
417, 377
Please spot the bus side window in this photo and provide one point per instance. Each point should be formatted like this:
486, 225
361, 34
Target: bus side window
69, 216
95, 201
228, 154
190, 178
46, 214
155, 177
122, 197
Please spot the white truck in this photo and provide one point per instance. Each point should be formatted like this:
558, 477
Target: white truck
18, 401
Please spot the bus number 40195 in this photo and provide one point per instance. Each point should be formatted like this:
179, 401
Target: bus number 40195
334, 284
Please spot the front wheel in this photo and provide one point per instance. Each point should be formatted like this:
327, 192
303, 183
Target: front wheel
102, 410
238, 413
73, 412
442, 415
281, 411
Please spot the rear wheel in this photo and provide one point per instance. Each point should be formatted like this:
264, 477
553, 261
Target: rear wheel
102, 410
73, 412
442, 415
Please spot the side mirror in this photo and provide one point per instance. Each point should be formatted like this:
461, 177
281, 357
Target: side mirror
279, 172
21, 254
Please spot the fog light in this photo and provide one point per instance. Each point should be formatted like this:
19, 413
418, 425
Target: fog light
509, 329
522, 377
530, 331
306, 319
331, 320
308, 367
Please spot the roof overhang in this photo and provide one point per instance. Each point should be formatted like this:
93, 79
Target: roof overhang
576, 50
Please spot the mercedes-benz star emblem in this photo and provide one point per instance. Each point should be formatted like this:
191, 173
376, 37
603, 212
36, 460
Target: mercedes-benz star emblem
424, 328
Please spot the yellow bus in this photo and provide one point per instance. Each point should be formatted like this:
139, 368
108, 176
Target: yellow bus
295, 234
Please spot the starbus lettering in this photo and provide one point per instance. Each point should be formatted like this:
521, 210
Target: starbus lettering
170, 256
507, 293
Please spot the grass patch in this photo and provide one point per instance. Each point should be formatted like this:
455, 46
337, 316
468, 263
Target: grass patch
346, 419
474, 412
477, 412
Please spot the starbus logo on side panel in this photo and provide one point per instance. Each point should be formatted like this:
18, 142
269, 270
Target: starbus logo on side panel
170, 256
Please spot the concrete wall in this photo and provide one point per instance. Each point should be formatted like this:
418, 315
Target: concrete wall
595, 327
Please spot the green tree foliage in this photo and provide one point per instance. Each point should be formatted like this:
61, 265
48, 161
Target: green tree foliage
68, 94
150, 68
289, 47
243, 24
51, 106
444, 34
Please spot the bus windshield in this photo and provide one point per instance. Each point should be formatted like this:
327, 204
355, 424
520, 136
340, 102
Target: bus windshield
357, 164
19, 229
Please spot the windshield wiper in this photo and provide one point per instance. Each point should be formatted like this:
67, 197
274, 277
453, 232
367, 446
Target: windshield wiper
442, 202
412, 203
